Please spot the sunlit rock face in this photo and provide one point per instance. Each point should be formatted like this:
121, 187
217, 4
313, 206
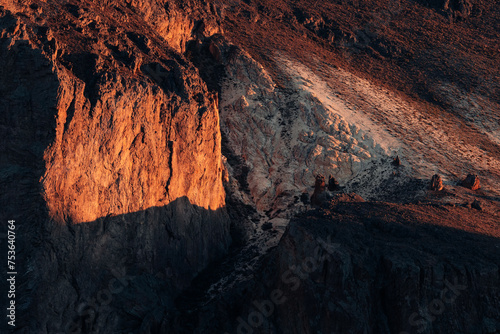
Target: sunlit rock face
135, 125
288, 136
135, 146
178, 22
118, 139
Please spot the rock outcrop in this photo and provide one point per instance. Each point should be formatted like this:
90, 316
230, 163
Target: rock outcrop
472, 182
436, 183
476, 205
317, 197
396, 161
177, 22
333, 184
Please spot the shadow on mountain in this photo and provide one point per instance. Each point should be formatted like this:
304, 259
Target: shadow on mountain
489, 198
28, 92
370, 268
121, 272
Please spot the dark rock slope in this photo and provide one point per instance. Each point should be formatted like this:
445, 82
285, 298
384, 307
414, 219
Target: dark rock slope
378, 268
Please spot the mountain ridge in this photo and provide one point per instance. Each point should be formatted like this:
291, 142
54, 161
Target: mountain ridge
174, 145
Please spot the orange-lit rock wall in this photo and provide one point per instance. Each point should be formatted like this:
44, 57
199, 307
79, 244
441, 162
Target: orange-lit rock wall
136, 126
135, 147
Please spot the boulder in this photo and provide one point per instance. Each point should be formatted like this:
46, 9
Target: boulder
471, 182
333, 184
436, 183
476, 205
396, 161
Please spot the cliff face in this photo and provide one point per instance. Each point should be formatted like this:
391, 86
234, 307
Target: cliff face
378, 268
144, 135
179, 22
139, 147
115, 133
289, 135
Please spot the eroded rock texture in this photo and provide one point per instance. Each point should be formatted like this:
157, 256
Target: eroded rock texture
286, 136
111, 148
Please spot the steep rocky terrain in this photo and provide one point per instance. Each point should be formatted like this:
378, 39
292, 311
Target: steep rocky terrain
362, 267
159, 158
111, 158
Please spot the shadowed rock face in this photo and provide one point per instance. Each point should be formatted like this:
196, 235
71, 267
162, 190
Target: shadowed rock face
377, 268
121, 272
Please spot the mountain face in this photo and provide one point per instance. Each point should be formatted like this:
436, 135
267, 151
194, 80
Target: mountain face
120, 140
122, 111
359, 267
159, 158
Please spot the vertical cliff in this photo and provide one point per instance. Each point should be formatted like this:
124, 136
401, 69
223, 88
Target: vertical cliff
118, 139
